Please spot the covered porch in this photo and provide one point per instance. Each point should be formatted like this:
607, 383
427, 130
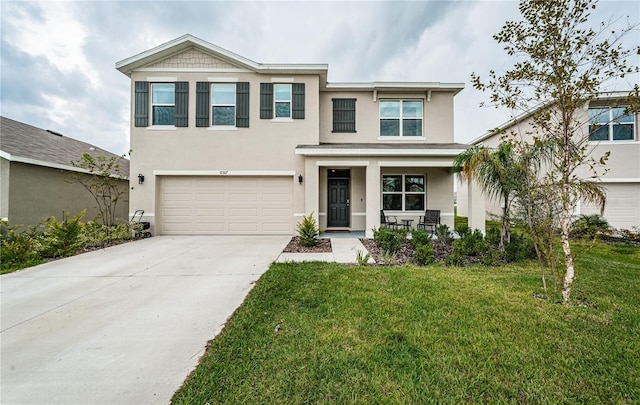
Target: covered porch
347, 185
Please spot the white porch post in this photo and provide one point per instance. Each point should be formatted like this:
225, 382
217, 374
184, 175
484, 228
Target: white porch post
311, 188
373, 199
475, 206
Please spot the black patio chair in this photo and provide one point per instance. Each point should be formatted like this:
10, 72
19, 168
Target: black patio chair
431, 220
388, 221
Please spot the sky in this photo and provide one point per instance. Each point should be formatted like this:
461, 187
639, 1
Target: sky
57, 59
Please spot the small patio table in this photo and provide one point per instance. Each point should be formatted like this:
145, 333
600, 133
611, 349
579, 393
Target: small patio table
407, 223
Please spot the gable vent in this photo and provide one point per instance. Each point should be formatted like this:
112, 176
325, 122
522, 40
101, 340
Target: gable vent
54, 132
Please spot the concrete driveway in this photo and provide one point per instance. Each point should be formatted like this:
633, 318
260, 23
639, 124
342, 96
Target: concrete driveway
126, 324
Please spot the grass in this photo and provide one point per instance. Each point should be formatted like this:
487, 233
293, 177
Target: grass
325, 333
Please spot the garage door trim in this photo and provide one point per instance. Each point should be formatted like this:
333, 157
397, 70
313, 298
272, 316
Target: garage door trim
224, 173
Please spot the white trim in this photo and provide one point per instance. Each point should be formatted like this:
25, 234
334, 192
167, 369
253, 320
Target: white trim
610, 142
361, 163
144, 215
282, 120
161, 128
414, 164
378, 152
446, 214
620, 180
222, 79
224, 173
398, 138
359, 214
390, 86
299, 214
195, 70
284, 80
29, 161
162, 79
222, 128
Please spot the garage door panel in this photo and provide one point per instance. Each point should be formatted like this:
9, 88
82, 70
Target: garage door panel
220, 205
622, 209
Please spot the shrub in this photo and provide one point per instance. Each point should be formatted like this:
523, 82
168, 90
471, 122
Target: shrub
493, 236
420, 237
389, 240
18, 249
631, 235
62, 239
424, 254
362, 258
462, 229
308, 231
589, 227
444, 234
519, 248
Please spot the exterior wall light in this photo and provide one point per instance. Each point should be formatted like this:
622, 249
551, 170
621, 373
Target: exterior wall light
300, 179
140, 179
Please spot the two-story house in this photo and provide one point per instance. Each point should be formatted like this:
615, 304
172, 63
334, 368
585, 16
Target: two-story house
608, 128
230, 146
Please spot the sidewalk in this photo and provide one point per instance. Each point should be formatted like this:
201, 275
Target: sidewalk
344, 250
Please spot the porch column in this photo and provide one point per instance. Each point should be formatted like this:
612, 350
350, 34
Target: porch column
475, 207
311, 188
373, 198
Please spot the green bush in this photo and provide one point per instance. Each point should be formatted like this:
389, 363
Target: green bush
420, 237
424, 254
631, 235
589, 227
62, 239
519, 248
444, 234
18, 249
462, 229
389, 240
308, 231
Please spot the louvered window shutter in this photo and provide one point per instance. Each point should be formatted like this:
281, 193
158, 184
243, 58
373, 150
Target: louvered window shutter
266, 100
242, 104
182, 104
297, 90
344, 115
141, 109
203, 104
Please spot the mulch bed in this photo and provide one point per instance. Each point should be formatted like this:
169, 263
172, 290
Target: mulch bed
294, 246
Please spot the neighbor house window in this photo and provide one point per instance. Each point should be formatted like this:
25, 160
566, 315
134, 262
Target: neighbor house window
223, 100
282, 100
403, 192
400, 117
610, 124
163, 103
344, 115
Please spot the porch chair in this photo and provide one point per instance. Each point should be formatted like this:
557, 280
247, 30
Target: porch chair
430, 219
388, 221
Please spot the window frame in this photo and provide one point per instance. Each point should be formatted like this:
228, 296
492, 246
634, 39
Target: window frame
276, 101
154, 104
213, 105
403, 192
401, 118
611, 123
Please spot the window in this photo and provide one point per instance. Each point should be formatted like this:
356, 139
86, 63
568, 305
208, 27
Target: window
403, 192
400, 117
282, 100
163, 103
223, 100
344, 114
610, 124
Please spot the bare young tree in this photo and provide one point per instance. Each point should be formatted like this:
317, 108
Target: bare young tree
563, 64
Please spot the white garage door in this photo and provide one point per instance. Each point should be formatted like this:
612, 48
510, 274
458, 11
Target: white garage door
226, 205
622, 209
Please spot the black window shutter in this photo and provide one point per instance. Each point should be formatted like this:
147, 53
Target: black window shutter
344, 115
182, 104
242, 104
266, 100
141, 109
203, 105
297, 90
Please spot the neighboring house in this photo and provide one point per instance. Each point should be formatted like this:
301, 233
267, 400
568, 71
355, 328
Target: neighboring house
230, 146
609, 130
35, 182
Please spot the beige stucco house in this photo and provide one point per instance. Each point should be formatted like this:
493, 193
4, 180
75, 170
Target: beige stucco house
609, 130
35, 175
230, 146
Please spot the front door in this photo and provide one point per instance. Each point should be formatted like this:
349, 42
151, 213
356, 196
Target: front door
339, 212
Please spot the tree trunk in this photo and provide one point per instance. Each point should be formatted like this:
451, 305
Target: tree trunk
566, 248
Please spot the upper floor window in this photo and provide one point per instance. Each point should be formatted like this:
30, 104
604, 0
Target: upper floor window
610, 124
403, 192
344, 114
400, 117
282, 100
223, 100
163, 103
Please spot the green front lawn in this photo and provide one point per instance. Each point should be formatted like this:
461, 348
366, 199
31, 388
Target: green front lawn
325, 333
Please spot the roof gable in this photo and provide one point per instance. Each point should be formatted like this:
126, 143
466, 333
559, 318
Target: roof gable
195, 58
20, 142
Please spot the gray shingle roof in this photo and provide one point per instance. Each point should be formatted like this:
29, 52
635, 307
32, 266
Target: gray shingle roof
24, 141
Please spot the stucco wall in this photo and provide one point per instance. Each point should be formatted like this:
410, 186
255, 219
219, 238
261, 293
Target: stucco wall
37, 193
4, 188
